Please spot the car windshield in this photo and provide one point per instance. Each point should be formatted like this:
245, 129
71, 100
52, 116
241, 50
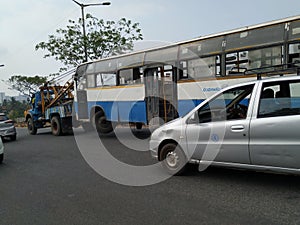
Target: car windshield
3, 118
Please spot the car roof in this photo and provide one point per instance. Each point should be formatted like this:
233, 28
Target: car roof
265, 79
278, 78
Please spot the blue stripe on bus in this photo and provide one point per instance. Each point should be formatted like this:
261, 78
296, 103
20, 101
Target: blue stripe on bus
130, 111
123, 111
185, 106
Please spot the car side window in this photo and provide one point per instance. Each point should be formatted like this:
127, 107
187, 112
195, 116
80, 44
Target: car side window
232, 104
281, 98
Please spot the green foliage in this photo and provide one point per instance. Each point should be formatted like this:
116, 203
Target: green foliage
103, 39
14, 109
26, 85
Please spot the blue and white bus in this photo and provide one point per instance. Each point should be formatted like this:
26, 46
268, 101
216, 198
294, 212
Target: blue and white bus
158, 85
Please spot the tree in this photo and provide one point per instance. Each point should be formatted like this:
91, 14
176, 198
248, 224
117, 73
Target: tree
103, 39
26, 85
14, 109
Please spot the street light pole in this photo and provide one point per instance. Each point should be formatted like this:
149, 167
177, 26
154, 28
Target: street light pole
83, 23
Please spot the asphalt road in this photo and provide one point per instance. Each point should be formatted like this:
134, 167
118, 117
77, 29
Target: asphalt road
45, 180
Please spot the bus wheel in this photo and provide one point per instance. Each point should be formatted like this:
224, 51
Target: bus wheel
30, 126
56, 126
173, 159
139, 126
102, 125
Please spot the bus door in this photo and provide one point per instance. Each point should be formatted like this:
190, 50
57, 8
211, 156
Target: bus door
82, 104
161, 94
81, 94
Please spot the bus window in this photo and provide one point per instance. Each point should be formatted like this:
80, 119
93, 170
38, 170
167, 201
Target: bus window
183, 74
105, 79
130, 76
202, 67
109, 79
294, 54
265, 57
91, 80
99, 80
218, 65
126, 77
237, 63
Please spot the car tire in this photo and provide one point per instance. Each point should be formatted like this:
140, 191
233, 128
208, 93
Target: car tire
173, 159
30, 126
56, 126
102, 125
1, 158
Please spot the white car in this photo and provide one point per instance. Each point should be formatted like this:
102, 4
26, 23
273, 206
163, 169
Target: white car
1, 151
7, 128
255, 125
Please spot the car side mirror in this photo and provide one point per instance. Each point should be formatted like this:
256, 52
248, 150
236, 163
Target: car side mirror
193, 118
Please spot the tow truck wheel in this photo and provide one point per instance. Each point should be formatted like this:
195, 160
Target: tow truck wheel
30, 126
56, 126
102, 125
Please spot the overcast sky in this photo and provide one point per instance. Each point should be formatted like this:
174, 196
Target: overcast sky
24, 23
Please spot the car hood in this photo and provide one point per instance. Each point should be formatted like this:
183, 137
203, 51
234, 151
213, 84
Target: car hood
169, 129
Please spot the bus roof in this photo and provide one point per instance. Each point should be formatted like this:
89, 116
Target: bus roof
201, 38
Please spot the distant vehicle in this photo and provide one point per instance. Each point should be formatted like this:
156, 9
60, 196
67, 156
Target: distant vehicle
255, 125
51, 106
1, 151
7, 127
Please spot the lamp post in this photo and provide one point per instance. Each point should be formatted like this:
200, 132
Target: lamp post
82, 6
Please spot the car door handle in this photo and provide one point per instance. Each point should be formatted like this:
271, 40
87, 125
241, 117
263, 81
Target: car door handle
237, 128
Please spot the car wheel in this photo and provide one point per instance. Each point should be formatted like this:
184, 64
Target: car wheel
56, 126
30, 126
1, 158
103, 126
173, 159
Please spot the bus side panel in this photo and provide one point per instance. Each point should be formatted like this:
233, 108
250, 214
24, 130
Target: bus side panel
122, 111
110, 109
185, 106
138, 112
132, 111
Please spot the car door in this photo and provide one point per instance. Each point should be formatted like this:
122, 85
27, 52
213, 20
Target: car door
275, 130
218, 131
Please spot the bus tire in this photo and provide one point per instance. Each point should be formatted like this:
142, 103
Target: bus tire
102, 125
138, 126
56, 126
31, 127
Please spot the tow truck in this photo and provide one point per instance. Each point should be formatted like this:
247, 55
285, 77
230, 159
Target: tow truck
51, 106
